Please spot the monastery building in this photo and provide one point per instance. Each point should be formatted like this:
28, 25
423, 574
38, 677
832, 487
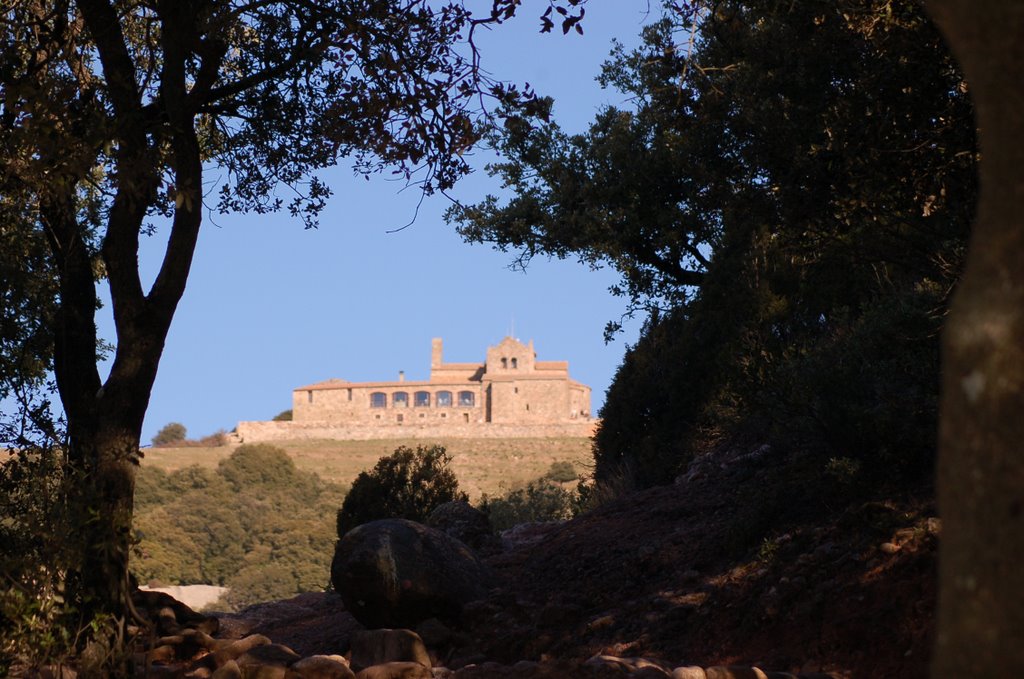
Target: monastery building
510, 394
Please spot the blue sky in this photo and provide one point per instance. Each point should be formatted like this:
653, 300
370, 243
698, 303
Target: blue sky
270, 306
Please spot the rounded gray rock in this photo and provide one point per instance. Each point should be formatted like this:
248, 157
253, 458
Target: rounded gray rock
463, 522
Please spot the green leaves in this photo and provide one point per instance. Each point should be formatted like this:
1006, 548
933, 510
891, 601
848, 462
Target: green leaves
408, 484
256, 525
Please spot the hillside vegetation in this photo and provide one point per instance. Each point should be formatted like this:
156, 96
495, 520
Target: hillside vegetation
255, 523
483, 466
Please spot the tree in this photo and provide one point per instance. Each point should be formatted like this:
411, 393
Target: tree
114, 114
408, 484
172, 432
981, 468
778, 213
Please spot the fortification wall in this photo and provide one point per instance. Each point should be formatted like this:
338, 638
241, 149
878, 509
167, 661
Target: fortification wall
253, 432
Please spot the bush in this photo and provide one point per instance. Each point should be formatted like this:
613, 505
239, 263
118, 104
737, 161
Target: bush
561, 472
258, 465
283, 416
407, 484
170, 433
540, 500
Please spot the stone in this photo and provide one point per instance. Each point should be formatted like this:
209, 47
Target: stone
229, 670
433, 632
464, 522
277, 655
780, 675
733, 672
378, 646
237, 649
323, 667
396, 573
689, 672
889, 548
396, 670
266, 672
634, 667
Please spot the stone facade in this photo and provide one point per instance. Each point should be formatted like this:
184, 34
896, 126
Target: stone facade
510, 391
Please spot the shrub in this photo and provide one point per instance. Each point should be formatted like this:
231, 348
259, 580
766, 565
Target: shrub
171, 433
561, 472
540, 500
260, 464
283, 416
407, 484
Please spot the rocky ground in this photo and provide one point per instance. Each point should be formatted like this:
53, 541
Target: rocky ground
752, 558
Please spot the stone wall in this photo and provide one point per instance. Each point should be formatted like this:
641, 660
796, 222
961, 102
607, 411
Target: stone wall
253, 432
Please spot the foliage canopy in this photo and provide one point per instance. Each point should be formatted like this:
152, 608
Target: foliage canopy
408, 484
115, 117
792, 220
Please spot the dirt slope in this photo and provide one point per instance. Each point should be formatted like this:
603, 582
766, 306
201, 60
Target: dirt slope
756, 559
751, 558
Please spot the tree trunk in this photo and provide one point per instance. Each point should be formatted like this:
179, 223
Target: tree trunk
106, 498
981, 460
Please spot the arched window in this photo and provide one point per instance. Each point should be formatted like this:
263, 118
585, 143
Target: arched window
466, 398
400, 399
378, 399
504, 362
421, 399
515, 363
443, 399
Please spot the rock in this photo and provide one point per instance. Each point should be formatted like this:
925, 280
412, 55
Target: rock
228, 670
323, 667
780, 675
276, 655
378, 646
433, 632
237, 649
733, 672
396, 573
396, 670
689, 672
889, 548
465, 523
527, 534
170, 614
266, 672
634, 667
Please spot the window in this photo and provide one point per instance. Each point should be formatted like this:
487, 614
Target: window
515, 363
466, 398
443, 399
310, 395
350, 394
400, 399
465, 416
401, 418
421, 399
504, 362
378, 399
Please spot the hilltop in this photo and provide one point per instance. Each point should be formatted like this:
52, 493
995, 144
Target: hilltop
482, 465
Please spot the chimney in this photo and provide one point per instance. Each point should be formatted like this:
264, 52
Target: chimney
436, 347
401, 376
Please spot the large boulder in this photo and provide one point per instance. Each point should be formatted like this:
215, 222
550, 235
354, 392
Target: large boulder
396, 573
465, 523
